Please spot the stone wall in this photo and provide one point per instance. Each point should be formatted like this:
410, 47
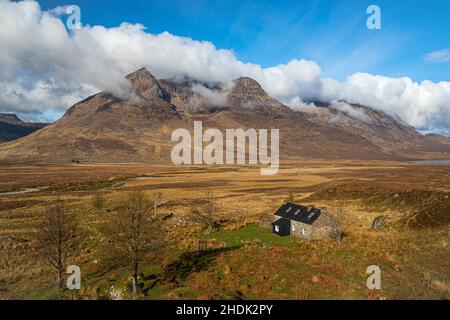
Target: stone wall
322, 228
301, 230
320, 233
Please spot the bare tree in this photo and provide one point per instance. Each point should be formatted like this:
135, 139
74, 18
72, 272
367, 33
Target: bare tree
133, 233
339, 219
98, 202
156, 203
206, 215
58, 238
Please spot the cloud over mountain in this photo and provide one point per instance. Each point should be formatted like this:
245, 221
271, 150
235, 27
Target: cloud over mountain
46, 67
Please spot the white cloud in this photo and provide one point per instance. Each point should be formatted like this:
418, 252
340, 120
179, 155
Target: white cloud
441, 56
349, 110
41, 100
53, 68
298, 104
59, 10
218, 98
423, 105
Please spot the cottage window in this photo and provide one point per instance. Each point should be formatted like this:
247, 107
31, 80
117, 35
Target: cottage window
297, 212
293, 228
289, 209
277, 229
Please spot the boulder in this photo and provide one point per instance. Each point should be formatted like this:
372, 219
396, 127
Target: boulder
379, 222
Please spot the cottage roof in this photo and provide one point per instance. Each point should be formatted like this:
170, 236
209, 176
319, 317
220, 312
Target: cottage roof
295, 212
282, 221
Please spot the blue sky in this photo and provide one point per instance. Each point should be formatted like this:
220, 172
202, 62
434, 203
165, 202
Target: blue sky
297, 50
332, 33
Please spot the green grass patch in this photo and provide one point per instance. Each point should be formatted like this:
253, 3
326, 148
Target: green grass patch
251, 232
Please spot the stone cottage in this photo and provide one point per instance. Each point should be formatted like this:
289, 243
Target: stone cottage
304, 222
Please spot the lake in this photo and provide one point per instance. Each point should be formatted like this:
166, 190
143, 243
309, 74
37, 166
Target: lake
443, 161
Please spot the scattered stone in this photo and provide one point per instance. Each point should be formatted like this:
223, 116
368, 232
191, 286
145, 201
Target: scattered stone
244, 288
315, 279
115, 293
239, 295
379, 222
182, 222
168, 215
16, 239
441, 285
226, 269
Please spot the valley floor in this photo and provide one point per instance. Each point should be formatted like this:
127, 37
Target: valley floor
241, 260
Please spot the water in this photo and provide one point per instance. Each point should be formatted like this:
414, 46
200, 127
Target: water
444, 161
23, 191
143, 178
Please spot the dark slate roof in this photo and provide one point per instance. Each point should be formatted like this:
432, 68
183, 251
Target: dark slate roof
292, 211
282, 221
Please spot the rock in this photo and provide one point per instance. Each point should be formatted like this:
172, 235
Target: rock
115, 293
226, 269
239, 295
379, 222
441, 285
244, 288
168, 215
315, 279
16, 239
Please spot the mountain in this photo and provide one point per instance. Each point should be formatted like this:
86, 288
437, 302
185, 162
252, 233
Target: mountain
12, 128
138, 128
437, 138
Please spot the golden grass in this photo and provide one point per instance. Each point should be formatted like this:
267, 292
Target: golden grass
415, 263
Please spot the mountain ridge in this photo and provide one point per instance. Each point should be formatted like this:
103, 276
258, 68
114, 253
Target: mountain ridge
138, 127
12, 127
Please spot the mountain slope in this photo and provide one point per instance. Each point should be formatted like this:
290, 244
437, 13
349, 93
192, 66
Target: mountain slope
138, 128
102, 128
12, 128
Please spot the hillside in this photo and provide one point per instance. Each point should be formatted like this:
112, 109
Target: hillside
105, 128
12, 128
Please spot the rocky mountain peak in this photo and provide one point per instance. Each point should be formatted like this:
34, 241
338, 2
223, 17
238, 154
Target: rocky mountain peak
248, 87
103, 128
146, 85
247, 90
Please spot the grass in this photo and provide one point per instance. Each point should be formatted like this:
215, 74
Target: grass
327, 270
249, 262
410, 207
249, 233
